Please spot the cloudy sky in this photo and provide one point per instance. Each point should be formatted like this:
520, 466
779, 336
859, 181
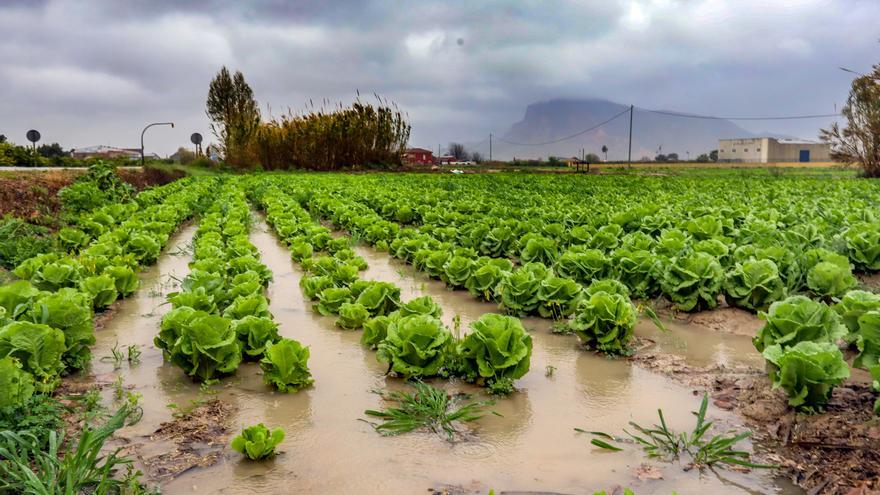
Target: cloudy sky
94, 72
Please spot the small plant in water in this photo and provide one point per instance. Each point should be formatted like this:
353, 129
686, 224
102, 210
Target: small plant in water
116, 357
549, 370
134, 354
426, 408
660, 442
118, 388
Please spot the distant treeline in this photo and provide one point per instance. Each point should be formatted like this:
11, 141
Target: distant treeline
359, 135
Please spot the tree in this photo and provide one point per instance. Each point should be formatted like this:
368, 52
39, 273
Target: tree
2, 138
234, 115
703, 158
605, 151
859, 142
713, 155
185, 156
477, 157
660, 158
458, 151
672, 157
53, 150
592, 158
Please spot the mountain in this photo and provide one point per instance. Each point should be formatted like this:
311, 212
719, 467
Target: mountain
555, 119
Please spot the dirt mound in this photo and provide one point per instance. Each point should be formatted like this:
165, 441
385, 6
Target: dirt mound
835, 452
194, 439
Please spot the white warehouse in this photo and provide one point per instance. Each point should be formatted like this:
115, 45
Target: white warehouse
772, 150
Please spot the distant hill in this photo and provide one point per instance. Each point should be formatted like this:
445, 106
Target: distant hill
554, 119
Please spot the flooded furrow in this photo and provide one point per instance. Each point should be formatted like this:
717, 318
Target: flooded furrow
531, 446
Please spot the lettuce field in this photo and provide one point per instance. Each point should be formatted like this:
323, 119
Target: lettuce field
473, 334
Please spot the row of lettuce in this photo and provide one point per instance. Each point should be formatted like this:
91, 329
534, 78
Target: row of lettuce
46, 317
601, 312
220, 317
408, 336
691, 241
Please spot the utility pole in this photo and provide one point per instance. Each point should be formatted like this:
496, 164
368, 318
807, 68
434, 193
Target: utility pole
490, 147
629, 156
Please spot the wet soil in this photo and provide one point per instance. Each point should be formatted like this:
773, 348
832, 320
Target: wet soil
33, 195
531, 446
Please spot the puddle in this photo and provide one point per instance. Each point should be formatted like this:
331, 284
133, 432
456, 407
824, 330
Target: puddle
532, 446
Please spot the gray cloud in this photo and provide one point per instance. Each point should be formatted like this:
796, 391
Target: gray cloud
95, 72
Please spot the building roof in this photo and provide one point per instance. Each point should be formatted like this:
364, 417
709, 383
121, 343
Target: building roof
778, 140
417, 150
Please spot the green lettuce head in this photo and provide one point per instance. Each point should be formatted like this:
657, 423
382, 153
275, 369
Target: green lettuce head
496, 352
16, 385
38, 348
257, 442
605, 322
416, 346
799, 319
807, 372
285, 366
255, 333
754, 284
352, 316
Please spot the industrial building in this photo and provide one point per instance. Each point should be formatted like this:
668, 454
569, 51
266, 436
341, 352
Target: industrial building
772, 150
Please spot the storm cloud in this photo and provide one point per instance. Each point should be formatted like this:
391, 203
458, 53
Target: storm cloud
95, 72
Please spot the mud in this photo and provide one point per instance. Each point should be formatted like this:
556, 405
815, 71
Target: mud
197, 438
835, 452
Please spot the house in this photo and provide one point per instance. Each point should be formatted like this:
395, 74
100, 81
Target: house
772, 150
446, 159
108, 152
418, 156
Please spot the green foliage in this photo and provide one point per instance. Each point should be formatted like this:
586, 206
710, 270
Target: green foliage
255, 333
375, 329
424, 305
853, 305
124, 278
659, 441
352, 316
205, 346
693, 281
97, 187
101, 289
798, 319
285, 365
605, 322
38, 348
16, 385
380, 298
20, 240
257, 442
38, 415
558, 297
66, 467
70, 311
868, 340
496, 352
416, 346
252, 305
426, 408
863, 245
331, 299
754, 284
807, 371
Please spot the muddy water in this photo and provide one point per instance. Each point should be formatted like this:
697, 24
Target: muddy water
532, 446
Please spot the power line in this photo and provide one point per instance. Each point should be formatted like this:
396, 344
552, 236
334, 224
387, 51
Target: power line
712, 117
566, 137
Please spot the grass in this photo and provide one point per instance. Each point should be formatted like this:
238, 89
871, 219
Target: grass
66, 466
659, 441
427, 408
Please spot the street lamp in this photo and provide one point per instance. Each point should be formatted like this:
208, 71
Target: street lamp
145, 130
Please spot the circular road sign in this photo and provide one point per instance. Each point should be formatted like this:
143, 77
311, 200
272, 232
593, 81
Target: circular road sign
33, 135
196, 138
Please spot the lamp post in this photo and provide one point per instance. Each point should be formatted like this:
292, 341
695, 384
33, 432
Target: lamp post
145, 130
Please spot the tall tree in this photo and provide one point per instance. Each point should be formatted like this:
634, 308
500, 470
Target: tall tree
234, 115
859, 142
458, 151
605, 151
